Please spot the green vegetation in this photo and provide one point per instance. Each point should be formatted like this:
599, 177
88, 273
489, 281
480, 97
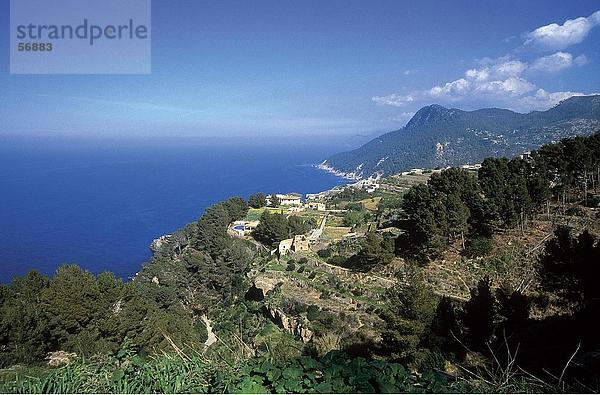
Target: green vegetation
454, 204
354, 317
274, 227
471, 136
257, 200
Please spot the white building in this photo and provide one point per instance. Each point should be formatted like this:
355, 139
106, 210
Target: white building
289, 199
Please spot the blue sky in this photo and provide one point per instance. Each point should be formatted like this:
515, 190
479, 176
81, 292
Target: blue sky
281, 68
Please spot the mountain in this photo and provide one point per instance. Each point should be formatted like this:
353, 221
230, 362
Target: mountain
438, 137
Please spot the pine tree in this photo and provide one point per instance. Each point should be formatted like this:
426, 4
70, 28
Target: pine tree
480, 312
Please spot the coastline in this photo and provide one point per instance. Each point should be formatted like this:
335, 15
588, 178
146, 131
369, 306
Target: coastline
351, 176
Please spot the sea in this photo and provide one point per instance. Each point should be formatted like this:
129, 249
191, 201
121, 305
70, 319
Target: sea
100, 202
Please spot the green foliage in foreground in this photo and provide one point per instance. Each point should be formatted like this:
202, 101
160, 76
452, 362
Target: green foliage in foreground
334, 373
110, 375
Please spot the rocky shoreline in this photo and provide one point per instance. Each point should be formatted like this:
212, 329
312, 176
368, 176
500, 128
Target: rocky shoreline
353, 176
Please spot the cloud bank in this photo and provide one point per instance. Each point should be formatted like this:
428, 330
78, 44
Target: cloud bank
505, 81
555, 36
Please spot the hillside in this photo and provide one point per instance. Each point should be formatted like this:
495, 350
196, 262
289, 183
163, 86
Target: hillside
438, 137
455, 280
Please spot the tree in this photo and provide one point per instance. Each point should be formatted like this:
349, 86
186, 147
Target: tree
480, 312
274, 201
457, 182
299, 226
426, 222
236, 207
179, 239
569, 266
409, 312
353, 218
494, 178
514, 309
457, 214
445, 329
518, 189
24, 328
74, 304
212, 230
257, 200
374, 251
271, 229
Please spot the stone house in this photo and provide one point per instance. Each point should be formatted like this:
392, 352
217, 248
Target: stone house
296, 244
317, 206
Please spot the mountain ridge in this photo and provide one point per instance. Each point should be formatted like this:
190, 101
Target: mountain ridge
437, 136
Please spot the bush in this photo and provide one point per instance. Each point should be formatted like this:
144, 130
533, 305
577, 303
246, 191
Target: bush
337, 260
575, 212
327, 342
303, 261
325, 253
290, 266
312, 313
593, 201
337, 374
480, 246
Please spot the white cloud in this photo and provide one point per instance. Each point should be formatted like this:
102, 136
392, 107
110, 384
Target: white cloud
478, 74
555, 36
543, 100
500, 68
510, 68
504, 81
552, 63
403, 117
580, 60
393, 100
458, 87
512, 86
500, 76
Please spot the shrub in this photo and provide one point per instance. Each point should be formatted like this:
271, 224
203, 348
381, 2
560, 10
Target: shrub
327, 342
593, 201
337, 260
325, 253
575, 211
480, 246
312, 313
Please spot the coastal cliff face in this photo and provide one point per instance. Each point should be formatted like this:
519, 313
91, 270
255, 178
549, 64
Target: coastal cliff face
439, 137
350, 175
158, 244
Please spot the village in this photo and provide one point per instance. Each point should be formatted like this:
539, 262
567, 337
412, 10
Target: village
343, 212
327, 216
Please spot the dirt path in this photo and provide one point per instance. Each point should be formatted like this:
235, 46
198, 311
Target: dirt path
316, 233
211, 338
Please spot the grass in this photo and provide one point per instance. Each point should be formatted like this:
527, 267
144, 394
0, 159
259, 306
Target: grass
164, 374
371, 204
275, 266
331, 233
323, 280
255, 213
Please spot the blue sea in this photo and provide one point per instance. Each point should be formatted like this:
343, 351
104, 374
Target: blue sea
100, 203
